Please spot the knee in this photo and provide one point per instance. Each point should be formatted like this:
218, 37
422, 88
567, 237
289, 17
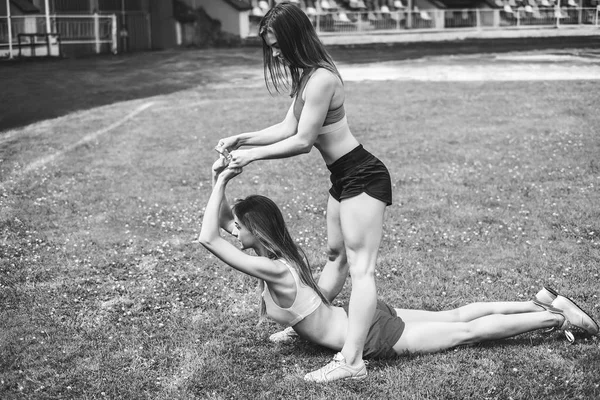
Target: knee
361, 264
467, 334
361, 270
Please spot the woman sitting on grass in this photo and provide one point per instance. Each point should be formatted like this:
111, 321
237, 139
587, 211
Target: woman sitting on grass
292, 298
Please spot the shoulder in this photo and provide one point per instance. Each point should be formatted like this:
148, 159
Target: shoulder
323, 76
323, 82
277, 270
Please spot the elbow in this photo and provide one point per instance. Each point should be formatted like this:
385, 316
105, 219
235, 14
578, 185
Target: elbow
205, 238
306, 150
204, 241
305, 146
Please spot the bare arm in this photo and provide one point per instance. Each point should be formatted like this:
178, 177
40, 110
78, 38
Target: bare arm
318, 94
210, 237
226, 220
272, 134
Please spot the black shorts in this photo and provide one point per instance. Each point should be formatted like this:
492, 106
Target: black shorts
360, 172
385, 330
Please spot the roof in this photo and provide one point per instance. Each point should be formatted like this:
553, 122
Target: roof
240, 5
26, 6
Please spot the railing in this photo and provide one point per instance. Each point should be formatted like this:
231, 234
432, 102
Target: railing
347, 22
98, 31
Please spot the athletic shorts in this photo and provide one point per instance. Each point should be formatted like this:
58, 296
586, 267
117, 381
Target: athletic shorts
360, 172
384, 332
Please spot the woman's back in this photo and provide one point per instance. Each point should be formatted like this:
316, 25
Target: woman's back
311, 318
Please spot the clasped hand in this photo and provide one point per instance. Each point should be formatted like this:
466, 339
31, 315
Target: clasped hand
237, 158
222, 168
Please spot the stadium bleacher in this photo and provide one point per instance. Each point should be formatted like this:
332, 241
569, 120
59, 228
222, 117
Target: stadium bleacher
365, 15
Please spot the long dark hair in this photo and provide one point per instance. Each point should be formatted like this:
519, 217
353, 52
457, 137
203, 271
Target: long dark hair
261, 216
299, 44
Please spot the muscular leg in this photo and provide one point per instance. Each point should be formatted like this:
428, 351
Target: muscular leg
335, 271
362, 228
429, 337
469, 312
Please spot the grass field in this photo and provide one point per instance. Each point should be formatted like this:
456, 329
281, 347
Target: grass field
105, 294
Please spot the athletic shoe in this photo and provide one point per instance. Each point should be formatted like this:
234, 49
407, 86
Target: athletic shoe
575, 317
336, 370
554, 310
546, 295
284, 336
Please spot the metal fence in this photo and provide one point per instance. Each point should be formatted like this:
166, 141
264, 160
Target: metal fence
71, 34
346, 22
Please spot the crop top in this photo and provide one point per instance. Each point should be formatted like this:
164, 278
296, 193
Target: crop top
305, 303
333, 116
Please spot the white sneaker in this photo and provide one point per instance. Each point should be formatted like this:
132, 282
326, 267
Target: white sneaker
575, 317
336, 370
284, 336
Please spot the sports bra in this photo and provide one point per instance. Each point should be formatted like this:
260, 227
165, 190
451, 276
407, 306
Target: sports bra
305, 303
333, 116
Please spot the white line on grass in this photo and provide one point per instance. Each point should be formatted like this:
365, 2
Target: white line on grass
40, 162
202, 102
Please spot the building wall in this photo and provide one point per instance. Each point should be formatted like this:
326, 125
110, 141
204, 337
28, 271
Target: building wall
232, 21
163, 24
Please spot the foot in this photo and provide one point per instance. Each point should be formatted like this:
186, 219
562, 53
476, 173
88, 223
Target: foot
575, 317
336, 370
284, 336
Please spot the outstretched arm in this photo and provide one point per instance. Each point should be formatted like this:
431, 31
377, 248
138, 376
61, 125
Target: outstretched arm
318, 94
272, 134
210, 235
226, 220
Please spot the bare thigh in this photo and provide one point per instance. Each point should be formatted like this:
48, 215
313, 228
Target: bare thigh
409, 315
362, 228
431, 337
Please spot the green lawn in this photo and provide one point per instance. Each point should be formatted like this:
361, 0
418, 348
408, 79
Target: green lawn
105, 294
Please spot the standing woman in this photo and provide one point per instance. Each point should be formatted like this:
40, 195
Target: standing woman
295, 59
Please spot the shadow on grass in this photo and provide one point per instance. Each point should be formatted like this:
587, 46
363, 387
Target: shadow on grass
36, 90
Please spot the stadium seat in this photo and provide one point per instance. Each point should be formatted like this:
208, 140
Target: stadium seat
264, 6
357, 5
327, 6
398, 4
508, 9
